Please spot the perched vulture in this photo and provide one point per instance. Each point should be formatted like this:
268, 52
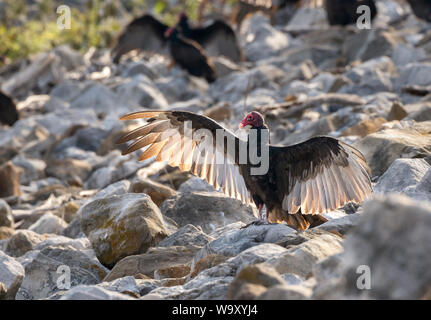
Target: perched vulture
344, 12
301, 181
147, 33
217, 38
421, 9
190, 56
8, 112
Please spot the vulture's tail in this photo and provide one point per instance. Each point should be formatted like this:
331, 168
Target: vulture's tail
298, 221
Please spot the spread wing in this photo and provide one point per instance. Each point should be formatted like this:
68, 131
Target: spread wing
8, 111
190, 55
320, 175
188, 141
145, 33
218, 39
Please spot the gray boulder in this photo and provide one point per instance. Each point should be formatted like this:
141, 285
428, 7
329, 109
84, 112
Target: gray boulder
209, 210
235, 241
119, 226
48, 223
187, 235
300, 259
6, 217
407, 140
140, 91
402, 175
154, 259
262, 40
11, 275
56, 268
85, 292
385, 255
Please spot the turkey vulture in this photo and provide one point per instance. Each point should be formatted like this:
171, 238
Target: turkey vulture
301, 181
421, 9
8, 112
218, 38
190, 56
147, 33
344, 12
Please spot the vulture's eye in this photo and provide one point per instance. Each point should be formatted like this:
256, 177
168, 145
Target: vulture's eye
250, 118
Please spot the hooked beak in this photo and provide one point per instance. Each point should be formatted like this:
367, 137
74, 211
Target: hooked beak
243, 124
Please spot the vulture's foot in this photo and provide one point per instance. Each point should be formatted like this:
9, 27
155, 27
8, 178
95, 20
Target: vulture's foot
259, 222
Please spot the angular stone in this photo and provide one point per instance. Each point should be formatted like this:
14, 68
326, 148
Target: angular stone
119, 226
207, 210
300, 259
48, 223
11, 275
6, 217
9, 180
47, 271
152, 260
382, 148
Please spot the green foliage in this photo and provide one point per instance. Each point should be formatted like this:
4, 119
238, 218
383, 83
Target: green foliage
39, 34
25, 31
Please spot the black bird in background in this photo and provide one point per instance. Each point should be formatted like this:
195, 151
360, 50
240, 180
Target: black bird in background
147, 33
190, 56
218, 38
8, 112
344, 12
421, 9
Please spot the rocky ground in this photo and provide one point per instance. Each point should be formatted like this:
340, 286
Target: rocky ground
80, 221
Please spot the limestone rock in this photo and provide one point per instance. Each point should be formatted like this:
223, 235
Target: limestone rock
119, 226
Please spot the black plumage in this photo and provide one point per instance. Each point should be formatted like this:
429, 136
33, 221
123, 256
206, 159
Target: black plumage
421, 9
344, 12
8, 112
217, 38
190, 56
302, 180
147, 33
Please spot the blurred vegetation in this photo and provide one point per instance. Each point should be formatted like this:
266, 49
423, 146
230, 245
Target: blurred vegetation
28, 27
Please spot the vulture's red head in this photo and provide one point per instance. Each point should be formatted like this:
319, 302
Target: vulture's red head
182, 16
253, 119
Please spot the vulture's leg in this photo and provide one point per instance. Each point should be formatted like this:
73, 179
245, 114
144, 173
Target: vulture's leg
263, 218
262, 215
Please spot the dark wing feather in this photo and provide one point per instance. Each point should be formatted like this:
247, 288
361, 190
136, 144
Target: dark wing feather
190, 56
421, 9
342, 12
145, 33
319, 175
192, 148
8, 112
218, 39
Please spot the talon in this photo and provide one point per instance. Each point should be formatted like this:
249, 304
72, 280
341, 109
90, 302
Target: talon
259, 222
